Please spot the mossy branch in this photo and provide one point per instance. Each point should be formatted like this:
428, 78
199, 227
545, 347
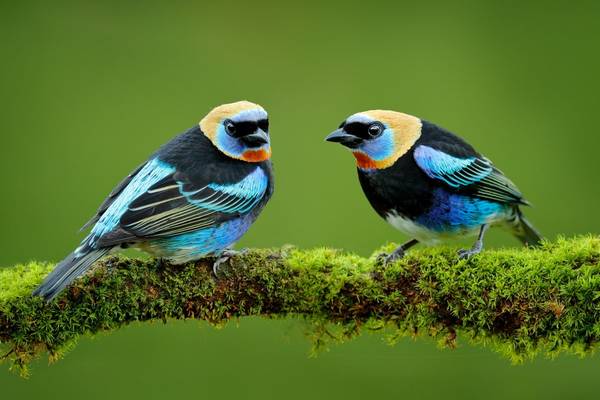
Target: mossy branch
521, 302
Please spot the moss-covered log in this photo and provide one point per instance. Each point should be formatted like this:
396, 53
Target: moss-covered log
521, 301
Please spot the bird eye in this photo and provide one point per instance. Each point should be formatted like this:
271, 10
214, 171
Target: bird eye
229, 127
375, 129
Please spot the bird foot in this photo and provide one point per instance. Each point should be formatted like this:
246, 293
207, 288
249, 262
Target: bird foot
387, 259
465, 254
224, 257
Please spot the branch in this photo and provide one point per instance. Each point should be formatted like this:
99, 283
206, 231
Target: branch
522, 302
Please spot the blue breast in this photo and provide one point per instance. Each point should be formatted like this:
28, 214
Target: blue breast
204, 242
451, 212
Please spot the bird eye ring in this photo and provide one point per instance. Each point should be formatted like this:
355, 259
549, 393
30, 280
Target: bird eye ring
375, 129
229, 127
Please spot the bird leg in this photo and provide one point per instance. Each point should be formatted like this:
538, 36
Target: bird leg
399, 252
477, 246
223, 257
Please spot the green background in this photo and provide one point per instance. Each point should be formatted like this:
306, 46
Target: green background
90, 89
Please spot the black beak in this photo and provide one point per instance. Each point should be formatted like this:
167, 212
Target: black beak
256, 139
340, 136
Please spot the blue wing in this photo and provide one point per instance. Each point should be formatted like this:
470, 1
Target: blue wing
474, 175
113, 196
176, 206
160, 202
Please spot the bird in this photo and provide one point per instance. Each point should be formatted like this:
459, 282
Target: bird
429, 183
194, 197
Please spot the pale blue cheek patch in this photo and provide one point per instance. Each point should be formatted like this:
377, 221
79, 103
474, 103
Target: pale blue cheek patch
380, 148
228, 144
154, 171
233, 146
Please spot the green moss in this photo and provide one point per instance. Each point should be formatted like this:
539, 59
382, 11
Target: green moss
520, 302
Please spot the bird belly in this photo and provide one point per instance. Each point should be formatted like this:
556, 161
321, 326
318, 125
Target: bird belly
195, 245
449, 215
413, 229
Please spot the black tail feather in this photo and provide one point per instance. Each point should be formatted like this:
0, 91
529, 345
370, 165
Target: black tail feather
66, 271
525, 232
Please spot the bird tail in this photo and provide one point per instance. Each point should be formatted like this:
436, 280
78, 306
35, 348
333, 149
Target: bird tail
525, 232
74, 265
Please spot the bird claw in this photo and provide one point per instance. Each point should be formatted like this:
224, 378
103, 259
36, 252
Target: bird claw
388, 258
465, 254
224, 257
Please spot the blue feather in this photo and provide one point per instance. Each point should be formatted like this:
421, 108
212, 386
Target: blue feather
206, 241
380, 148
451, 212
210, 236
239, 197
454, 171
151, 173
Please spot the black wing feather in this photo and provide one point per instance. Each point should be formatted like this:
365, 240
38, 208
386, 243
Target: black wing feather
479, 177
112, 196
176, 205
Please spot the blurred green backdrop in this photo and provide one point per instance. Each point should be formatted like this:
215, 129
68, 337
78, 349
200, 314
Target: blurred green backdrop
89, 89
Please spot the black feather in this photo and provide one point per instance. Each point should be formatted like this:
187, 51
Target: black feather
163, 210
406, 189
496, 186
111, 197
197, 162
73, 266
525, 231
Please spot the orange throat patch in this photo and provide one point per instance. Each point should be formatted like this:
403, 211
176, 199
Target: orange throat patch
364, 161
256, 155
